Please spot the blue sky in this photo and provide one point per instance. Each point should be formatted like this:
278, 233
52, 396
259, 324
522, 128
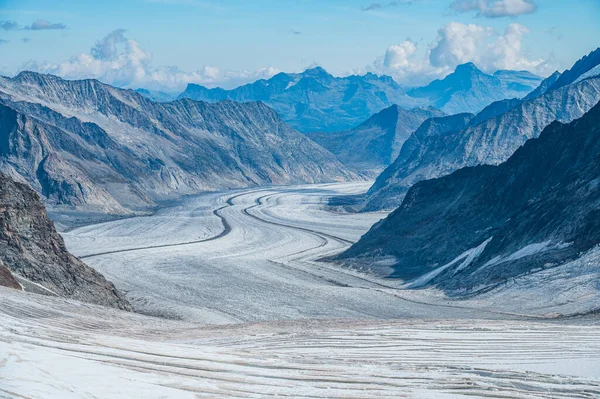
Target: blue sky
161, 44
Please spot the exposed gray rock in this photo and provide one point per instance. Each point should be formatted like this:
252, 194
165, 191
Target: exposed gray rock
375, 143
93, 147
36, 256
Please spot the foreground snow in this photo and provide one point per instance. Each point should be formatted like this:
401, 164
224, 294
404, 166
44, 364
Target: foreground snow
52, 348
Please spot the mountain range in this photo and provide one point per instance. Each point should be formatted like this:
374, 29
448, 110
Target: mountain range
374, 144
90, 146
482, 226
442, 146
316, 101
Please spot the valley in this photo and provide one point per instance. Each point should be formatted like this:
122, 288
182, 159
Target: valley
246, 310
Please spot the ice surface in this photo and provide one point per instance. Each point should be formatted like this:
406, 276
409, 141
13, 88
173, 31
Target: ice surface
316, 331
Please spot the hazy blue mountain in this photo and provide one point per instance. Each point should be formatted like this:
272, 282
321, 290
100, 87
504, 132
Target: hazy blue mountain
91, 146
482, 226
484, 140
375, 143
314, 100
158, 96
468, 89
544, 86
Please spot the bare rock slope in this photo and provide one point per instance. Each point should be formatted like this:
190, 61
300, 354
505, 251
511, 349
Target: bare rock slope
33, 255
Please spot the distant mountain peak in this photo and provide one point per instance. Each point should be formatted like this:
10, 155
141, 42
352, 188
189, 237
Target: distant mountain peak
317, 71
467, 67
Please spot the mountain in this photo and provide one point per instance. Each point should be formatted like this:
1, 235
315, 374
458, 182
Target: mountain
491, 141
482, 226
93, 147
468, 89
581, 67
33, 255
314, 100
158, 96
375, 143
544, 86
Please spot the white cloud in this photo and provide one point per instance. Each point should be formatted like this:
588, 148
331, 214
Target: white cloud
495, 8
455, 44
458, 43
398, 56
121, 61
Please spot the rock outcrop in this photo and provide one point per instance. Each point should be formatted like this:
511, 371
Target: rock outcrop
33, 255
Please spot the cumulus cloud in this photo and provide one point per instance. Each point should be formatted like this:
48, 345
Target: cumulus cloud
455, 44
121, 61
495, 8
458, 43
398, 56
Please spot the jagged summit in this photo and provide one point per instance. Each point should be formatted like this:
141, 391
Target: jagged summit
585, 64
488, 138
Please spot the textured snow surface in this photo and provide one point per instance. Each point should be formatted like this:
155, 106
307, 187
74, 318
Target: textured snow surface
213, 263
52, 348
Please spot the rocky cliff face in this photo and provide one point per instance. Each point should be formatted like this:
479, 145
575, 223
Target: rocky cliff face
481, 226
33, 255
90, 146
314, 100
375, 143
491, 141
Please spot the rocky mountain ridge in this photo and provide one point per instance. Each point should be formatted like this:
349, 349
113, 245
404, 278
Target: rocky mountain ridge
91, 146
482, 226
